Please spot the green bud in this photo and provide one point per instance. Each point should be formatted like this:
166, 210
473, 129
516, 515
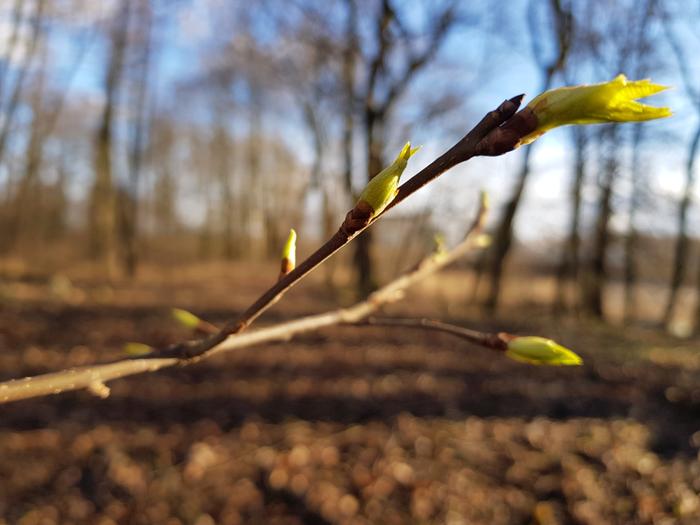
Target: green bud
185, 318
541, 351
382, 189
613, 101
137, 349
289, 253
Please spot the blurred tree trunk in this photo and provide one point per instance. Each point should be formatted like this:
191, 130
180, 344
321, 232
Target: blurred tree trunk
366, 281
350, 51
26, 210
254, 208
642, 45
348, 79
276, 200
563, 32
316, 180
164, 188
680, 258
503, 237
277, 196
222, 151
696, 328
372, 117
55, 223
129, 199
389, 71
102, 208
632, 237
479, 269
205, 239
164, 209
681, 250
27, 216
13, 99
596, 272
367, 68
568, 271
12, 41
319, 147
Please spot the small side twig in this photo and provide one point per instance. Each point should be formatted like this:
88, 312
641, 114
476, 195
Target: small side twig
493, 341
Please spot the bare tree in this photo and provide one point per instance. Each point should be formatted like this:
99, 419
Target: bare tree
222, 148
102, 212
13, 40
568, 270
596, 274
13, 97
562, 24
326, 82
681, 251
613, 45
25, 201
162, 145
350, 52
642, 57
44, 102
632, 237
391, 43
129, 194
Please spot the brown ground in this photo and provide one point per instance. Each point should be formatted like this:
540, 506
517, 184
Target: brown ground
346, 426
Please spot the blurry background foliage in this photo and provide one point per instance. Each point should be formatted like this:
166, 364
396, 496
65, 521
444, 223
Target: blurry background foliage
151, 132
155, 154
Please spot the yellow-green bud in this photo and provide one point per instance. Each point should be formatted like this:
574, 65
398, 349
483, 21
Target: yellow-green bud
541, 351
185, 318
612, 101
383, 187
137, 349
289, 253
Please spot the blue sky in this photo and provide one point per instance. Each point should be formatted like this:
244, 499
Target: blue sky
510, 71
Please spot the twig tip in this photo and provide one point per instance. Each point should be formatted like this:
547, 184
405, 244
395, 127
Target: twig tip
99, 389
518, 99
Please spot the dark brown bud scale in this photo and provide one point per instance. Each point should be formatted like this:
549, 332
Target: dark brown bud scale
357, 218
508, 135
286, 266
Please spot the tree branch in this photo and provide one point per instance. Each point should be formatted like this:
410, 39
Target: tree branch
418, 60
94, 377
493, 341
356, 221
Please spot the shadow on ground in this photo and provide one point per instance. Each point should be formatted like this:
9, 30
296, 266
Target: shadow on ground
351, 426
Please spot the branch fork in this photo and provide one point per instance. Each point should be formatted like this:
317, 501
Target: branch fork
493, 135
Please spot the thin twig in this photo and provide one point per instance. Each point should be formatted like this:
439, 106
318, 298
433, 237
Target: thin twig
87, 377
493, 341
357, 220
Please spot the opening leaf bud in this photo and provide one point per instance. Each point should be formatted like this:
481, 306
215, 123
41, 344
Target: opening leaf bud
541, 351
383, 187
